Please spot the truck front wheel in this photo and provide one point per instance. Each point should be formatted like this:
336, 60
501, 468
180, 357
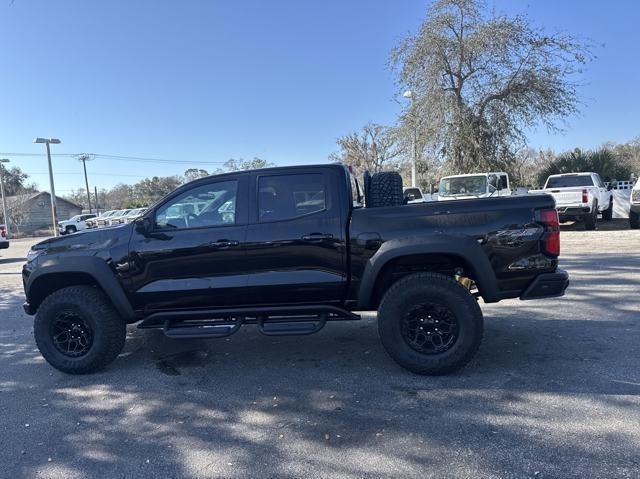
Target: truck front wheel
77, 330
430, 324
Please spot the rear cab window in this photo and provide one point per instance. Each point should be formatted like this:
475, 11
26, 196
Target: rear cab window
285, 197
569, 181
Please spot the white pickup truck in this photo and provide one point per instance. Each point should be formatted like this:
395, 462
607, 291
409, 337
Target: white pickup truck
580, 197
634, 207
475, 185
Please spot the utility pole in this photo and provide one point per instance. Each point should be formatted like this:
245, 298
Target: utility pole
54, 216
95, 188
84, 158
4, 203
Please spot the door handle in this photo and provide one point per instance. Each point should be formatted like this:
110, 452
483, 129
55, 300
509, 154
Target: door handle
223, 243
317, 237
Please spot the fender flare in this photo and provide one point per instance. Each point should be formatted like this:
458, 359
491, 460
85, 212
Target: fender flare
95, 267
468, 249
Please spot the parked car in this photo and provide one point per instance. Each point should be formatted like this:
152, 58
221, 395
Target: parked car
413, 195
294, 252
93, 222
634, 207
580, 197
115, 219
4, 241
132, 215
75, 223
105, 220
475, 185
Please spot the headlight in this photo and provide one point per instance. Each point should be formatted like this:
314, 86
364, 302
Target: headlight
33, 254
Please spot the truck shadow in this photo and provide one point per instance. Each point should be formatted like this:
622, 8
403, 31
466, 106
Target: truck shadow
332, 402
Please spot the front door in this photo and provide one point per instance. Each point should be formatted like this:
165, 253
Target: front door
192, 256
296, 238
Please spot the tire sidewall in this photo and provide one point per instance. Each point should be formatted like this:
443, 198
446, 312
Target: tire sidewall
45, 316
466, 311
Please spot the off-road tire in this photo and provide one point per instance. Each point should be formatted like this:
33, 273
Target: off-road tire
591, 221
421, 288
385, 190
70, 230
607, 215
367, 187
634, 220
108, 328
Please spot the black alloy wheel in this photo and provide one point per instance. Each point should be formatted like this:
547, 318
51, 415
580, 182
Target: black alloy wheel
430, 328
71, 334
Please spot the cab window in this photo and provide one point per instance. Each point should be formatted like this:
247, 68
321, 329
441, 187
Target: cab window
206, 205
285, 197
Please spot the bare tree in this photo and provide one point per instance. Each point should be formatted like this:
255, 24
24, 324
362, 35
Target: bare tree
374, 148
480, 80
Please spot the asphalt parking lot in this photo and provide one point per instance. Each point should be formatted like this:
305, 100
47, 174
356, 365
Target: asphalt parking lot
554, 392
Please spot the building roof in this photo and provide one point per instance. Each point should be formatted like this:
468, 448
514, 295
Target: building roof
17, 200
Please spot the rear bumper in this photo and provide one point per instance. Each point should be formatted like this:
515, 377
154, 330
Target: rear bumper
573, 211
4, 244
547, 285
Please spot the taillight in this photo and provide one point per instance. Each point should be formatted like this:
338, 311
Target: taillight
550, 240
585, 196
3, 232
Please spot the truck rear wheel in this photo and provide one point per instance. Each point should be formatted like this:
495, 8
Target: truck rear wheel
385, 189
78, 331
607, 215
430, 324
591, 221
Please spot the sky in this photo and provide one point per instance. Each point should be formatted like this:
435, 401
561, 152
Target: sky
200, 82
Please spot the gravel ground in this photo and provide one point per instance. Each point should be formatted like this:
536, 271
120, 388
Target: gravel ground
554, 392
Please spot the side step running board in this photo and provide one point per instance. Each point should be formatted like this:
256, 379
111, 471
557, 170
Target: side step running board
201, 329
271, 321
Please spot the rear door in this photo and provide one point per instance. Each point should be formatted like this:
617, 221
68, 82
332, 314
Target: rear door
296, 244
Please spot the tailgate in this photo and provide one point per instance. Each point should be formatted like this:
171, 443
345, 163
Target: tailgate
567, 196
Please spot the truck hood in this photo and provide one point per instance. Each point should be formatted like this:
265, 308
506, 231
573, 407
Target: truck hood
86, 240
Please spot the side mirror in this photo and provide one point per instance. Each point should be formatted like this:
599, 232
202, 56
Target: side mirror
143, 225
609, 186
502, 183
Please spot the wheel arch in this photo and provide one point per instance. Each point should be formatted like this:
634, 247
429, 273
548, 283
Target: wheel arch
445, 250
57, 274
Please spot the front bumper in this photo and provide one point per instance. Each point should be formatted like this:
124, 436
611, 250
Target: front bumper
547, 285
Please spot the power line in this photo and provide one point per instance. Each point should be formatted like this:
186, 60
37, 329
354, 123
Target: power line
120, 158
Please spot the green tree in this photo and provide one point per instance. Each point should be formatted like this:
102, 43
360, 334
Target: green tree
194, 173
479, 80
240, 164
15, 181
601, 161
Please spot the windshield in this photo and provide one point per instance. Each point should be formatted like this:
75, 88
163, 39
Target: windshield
569, 181
463, 186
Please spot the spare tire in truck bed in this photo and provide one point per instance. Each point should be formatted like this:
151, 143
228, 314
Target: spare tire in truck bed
385, 190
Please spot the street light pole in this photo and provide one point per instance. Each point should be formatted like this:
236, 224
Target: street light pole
4, 203
409, 94
84, 159
54, 216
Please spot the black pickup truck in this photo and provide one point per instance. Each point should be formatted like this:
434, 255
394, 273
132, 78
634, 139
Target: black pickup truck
289, 250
